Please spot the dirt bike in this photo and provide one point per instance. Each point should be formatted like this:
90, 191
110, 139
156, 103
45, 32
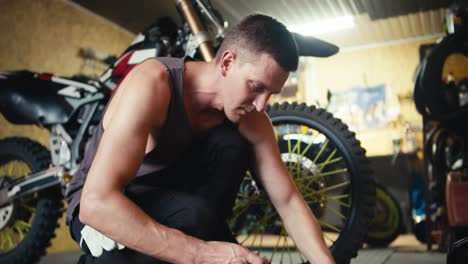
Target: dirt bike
443, 103
324, 158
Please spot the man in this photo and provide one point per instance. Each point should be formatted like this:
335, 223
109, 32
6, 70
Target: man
161, 174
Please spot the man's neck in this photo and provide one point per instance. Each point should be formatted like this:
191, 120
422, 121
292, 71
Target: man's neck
200, 87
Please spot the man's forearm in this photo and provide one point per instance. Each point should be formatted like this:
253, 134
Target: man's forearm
120, 219
305, 230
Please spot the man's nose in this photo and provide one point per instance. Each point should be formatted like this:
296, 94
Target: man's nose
260, 102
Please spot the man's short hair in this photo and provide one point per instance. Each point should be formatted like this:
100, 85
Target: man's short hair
260, 33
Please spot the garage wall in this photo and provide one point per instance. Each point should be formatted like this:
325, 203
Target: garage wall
45, 36
457, 66
393, 65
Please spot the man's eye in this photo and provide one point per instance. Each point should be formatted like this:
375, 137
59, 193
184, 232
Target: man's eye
258, 89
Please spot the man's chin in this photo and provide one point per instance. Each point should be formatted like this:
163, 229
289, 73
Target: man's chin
234, 118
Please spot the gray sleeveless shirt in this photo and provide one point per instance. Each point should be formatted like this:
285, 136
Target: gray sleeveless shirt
174, 139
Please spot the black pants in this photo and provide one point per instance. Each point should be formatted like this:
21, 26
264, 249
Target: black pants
195, 195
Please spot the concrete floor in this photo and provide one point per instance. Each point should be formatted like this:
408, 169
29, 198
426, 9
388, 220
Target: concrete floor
404, 250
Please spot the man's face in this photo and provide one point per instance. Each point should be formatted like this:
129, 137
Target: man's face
248, 85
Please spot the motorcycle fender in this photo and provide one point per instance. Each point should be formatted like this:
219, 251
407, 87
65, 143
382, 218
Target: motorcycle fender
26, 99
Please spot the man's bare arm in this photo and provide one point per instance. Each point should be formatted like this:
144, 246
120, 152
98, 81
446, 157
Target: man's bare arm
299, 221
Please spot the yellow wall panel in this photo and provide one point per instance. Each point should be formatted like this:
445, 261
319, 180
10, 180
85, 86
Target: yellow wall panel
393, 65
45, 36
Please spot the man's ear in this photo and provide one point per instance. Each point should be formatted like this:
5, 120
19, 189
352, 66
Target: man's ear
227, 60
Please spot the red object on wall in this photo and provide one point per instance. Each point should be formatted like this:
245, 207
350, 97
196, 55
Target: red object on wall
457, 198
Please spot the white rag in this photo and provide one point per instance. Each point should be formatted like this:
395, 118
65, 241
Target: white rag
96, 241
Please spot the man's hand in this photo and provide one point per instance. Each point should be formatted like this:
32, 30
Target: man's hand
227, 253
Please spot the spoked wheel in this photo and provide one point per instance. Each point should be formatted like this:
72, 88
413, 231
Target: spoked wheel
27, 224
330, 170
386, 225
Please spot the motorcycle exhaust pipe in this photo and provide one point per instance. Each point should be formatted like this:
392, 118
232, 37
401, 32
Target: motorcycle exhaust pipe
33, 183
198, 31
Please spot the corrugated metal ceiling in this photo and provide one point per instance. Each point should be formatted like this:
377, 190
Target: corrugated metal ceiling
376, 21
320, 9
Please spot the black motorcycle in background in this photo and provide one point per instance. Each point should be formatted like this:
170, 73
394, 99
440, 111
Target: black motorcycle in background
443, 103
324, 158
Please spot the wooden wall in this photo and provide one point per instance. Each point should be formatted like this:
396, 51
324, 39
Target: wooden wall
46, 35
393, 65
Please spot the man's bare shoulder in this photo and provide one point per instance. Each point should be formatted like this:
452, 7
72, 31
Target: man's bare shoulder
152, 71
153, 67
146, 93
